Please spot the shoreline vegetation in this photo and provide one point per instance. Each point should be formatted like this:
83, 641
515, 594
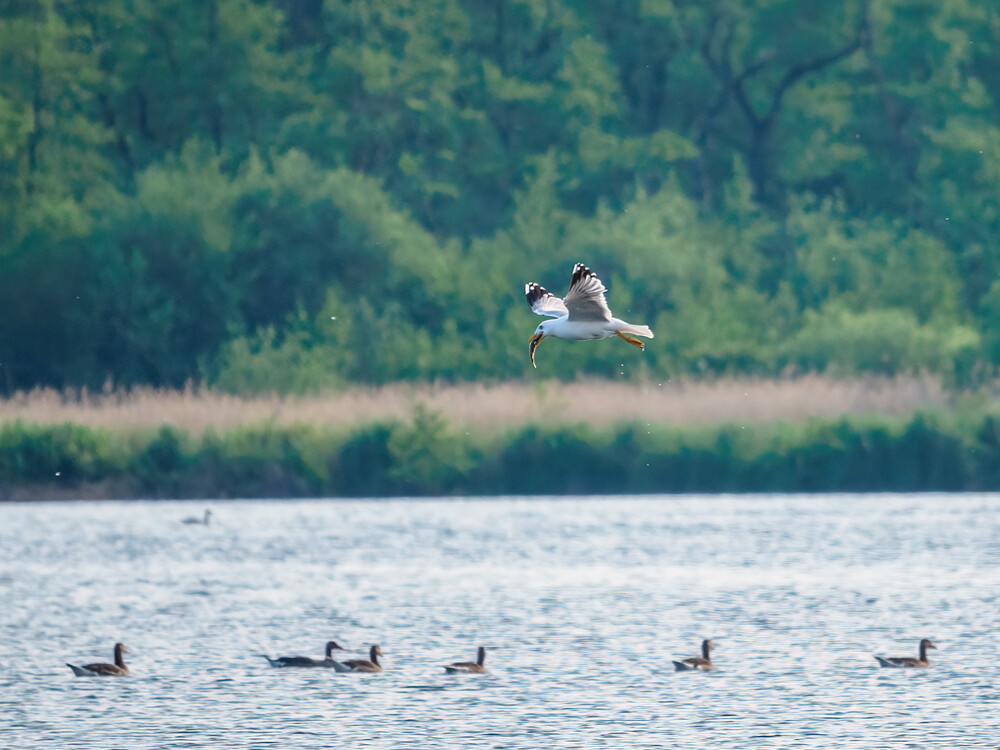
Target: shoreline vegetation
808, 434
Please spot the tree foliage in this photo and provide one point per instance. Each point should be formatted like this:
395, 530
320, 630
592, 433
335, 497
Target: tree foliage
284, 195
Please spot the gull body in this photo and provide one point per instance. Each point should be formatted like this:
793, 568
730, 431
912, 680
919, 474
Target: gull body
908, 661
583, 314
572, 330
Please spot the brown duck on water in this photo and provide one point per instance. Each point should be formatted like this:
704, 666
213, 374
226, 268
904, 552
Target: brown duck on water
471, 667
307, 661
361, 665
118, 669
703, 662
908, 661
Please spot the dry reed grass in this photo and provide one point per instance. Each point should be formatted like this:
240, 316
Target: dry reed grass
490, 407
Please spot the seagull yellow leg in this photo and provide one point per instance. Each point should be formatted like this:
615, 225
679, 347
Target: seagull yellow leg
631, 340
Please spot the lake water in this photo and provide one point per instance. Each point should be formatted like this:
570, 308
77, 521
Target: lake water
581, 603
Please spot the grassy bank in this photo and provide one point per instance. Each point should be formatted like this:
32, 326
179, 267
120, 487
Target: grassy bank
428, 454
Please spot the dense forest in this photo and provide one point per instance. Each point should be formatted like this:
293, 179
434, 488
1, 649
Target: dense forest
294, 195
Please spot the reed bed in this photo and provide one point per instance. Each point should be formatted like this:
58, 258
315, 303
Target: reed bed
489, 406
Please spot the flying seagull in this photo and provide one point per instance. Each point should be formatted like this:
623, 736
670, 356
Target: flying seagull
582, 314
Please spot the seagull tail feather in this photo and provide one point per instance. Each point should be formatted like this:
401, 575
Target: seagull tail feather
636, 330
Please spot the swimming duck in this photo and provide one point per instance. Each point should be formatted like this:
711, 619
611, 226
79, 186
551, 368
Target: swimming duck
307, 661
908, 661
200, 521
118, 669
703, 662
468, 667
361, 665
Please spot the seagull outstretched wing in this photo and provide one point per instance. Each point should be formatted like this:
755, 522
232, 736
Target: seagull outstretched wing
584, 301
543, 302
585, 298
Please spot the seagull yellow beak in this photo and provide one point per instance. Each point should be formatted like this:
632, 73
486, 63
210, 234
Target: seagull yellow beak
536, 339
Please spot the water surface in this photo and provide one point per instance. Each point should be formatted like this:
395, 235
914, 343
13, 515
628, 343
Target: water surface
581, 603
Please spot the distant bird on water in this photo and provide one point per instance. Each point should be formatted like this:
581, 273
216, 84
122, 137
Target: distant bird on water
307, 661
361, 665
581, 315
118, 669
468, 667
703, 662
201, 521
908, 661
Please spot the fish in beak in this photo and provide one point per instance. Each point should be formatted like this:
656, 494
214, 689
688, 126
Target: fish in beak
536, 339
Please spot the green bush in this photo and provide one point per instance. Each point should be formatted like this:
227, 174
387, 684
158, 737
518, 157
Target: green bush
889, 341
66, 453
425, 455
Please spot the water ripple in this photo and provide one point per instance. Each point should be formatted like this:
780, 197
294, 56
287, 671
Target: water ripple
581, 603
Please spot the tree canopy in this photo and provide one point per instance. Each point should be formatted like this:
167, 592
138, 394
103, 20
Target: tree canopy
297, 194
